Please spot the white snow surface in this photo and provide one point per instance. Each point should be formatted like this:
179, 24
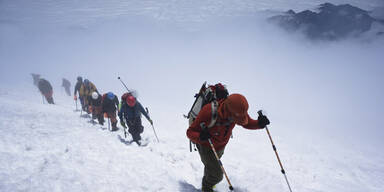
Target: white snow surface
325, 100
51, 148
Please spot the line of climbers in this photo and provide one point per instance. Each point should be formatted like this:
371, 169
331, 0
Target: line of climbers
212, 118
101, 106
106, 105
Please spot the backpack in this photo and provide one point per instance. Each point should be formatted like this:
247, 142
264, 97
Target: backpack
123, 98
125, 95
207, 94
204, 96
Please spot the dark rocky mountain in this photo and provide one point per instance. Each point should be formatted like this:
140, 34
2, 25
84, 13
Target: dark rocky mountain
331, 22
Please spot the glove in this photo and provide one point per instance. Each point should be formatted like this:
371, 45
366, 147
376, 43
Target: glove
263, 121
150, 121
75, 98
204, 135
122, 124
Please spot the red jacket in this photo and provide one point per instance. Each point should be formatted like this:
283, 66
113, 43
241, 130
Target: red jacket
220, 132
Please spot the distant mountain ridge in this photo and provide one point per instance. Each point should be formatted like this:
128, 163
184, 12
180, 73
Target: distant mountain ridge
332, 22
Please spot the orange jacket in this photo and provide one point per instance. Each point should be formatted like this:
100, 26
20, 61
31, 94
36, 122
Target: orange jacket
220, 132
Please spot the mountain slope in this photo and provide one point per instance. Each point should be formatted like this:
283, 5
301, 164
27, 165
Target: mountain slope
325, 99
51, 148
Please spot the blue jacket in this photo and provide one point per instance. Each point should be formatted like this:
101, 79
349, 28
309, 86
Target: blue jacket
131, 113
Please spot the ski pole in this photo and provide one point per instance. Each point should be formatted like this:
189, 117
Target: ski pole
42, 96
217, 158
152, 126
76, 104
123, 84
277, 155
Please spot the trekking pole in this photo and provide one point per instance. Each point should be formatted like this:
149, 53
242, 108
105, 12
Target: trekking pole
81, 110
109, 125
277, 155
123, 84
155, 133
76, 104
217, 158
125, 132
152, 126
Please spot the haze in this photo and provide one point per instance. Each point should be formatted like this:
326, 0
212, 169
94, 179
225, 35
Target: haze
166, 50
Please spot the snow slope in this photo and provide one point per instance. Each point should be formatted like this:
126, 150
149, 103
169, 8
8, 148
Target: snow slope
51, 148
325, 100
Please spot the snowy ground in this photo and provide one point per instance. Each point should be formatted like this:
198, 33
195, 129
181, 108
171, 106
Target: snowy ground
51, 148
325, 100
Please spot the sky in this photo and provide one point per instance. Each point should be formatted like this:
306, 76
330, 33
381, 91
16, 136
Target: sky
166, 49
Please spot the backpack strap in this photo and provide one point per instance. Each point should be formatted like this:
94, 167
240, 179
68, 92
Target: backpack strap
214, 106
103, 97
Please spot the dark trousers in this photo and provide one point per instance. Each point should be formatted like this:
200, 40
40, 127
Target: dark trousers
96, 113
50, 100
135, 128
85, 104
112, 116
68, 91
82, 103
48, 97
212, 170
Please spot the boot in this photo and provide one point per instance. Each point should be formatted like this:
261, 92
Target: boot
138, 142
101, 119
206, 187
207, 190
114, 128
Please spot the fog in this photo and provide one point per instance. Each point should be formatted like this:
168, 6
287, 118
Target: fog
332, 89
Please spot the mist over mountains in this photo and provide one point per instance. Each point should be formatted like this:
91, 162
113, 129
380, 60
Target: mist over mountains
324, 98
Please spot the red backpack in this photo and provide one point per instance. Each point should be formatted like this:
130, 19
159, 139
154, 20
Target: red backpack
124, 96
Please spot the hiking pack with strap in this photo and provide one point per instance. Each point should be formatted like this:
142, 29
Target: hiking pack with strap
207, 94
